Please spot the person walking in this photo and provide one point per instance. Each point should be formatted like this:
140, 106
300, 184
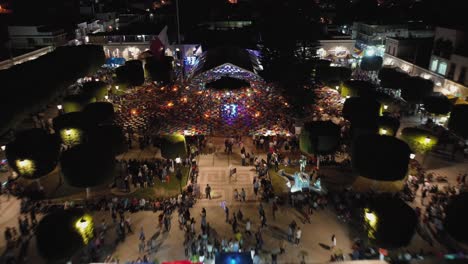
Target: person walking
226, 211
248, 227
263, 221
208, 191
243, 195
333, 240
298, 235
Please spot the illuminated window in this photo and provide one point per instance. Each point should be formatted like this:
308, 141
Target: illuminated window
442, 68
434, 65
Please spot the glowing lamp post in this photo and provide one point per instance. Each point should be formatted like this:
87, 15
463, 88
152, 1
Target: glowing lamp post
106, 97
427, 140
412, 156
383, 131
385, 107
60, 108
337, 87
117, 87
3, 147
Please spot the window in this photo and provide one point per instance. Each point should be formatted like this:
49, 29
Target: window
451, 72
461, 77
434, 65
442, 68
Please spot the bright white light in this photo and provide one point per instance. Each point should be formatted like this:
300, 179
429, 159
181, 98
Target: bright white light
412, 156
3, 147
106, 97
177, 49
178, 160
427, 140
59, 107
383, 131
385, 107
337, 87
68, 131
370, 52
347, 97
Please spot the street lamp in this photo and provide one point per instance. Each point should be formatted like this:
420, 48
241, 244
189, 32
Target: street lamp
3, 147
412, 156
383, 131
427, 140
116, 87
59, 107
385, 107
347, 97
337, 87
106, 97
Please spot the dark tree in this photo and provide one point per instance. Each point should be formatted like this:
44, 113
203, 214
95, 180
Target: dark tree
333, 75
389, 221
388, 124
320, 137
458, 120
34, 153
392, 78
361, 108
99, 113
87, 165
416, 88
437, 104
77, 102
159, 70
108, 137
379, 157
357, 88
131, 73
58, 237
95, 89
456, 217
28, 87
371, 63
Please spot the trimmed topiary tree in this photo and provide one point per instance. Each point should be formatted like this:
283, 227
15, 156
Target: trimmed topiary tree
381, 158
389, 221
34, 153
371, 63
364, 108
458, 120
320, 138
131, 73
99, 113
62, 233
76, 102
333, 75
416, 88
419, 140
437, 104
96, 90
71, 128
388, 125
392, 78
173, 146
108, 137
456, 217
356, 88
87, 165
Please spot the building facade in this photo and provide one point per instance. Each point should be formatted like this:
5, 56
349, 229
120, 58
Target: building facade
28, 37
449, 56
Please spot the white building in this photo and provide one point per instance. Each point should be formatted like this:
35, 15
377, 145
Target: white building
450, 57
26, 37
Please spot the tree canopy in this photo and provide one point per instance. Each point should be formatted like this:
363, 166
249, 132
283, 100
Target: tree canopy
159, 69
388, 125
87, 165
320, 137
173, 146
108, 137
389, 221
59, 236
392, 78
333, 75
371, 63
131, 73
95, 89
379, 157
456, 217
99, 113
437, 104
457, 122
34, 153
416, 88
361, 108
355, 88
29, 85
